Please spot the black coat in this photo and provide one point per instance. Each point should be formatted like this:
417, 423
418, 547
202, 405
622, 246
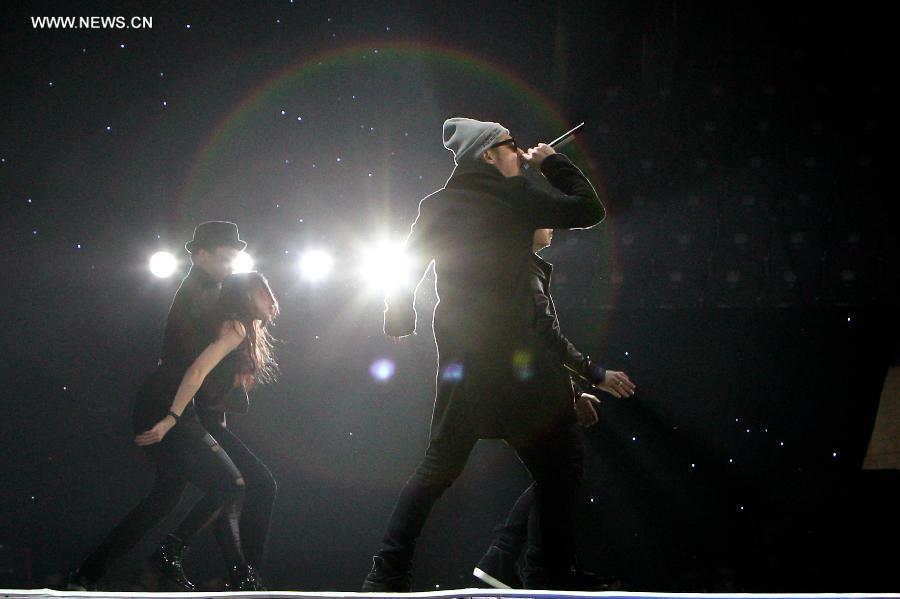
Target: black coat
188, 331
494, 376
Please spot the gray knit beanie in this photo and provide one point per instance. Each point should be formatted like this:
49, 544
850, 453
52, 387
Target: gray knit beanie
468, 138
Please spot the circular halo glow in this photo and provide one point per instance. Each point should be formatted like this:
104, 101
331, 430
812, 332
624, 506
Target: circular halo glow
315, 265
162, 264
385, 267
242, 263
382, 369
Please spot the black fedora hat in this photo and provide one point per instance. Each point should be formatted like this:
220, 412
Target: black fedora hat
214, 233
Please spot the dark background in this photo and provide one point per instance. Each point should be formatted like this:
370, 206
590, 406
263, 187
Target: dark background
745, 278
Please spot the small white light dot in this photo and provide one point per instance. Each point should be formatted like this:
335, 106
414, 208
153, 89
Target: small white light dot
286, 251
78, 245
387, 28
634, 438
278, 205
351, 434
781, 443
592, 500
299, 118
108, 128
283, 112
748, 430
165, 103
188, 26
742, 508
300, 220
34, 232
65, 388
834, 454
278, 20
121, 45
32, 497
370, 174
29, 200
317, 336
731, 460
848, 319
161, 74
51, 84
338, 159
693, 465
286, 161
626, 353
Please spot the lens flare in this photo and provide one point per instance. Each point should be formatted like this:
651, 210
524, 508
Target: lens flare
242, 263
315, 265
385, 267
162, 264
382, 369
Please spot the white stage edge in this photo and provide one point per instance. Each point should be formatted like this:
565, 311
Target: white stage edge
448, 594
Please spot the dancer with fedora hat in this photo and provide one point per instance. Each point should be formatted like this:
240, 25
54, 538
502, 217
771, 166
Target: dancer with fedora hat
215, 347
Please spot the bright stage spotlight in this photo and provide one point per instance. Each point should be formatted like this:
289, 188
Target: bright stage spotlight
382, 369
315, 265
242, 263
162, 264
385, 267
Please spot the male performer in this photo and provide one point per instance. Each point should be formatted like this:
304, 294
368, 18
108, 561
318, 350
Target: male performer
498, 566
494, 380
213, 249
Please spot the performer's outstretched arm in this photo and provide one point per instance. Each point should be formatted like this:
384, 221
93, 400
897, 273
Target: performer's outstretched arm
231, 334
614, 382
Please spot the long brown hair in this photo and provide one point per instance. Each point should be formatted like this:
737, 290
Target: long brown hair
236, 304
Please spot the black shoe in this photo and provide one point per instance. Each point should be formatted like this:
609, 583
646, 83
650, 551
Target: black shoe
384, 578
168, 560
78, 581
498, 569
244, 578
581, 580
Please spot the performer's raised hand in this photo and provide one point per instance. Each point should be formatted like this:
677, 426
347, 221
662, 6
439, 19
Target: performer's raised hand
586, 410
155, 434
617, 384
535, 156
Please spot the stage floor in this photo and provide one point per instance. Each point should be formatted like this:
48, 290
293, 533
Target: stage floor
448, 594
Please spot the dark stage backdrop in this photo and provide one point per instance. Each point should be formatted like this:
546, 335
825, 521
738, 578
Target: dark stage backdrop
746, 276
736, 466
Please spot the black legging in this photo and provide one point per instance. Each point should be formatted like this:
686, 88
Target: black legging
187, 454
259, 493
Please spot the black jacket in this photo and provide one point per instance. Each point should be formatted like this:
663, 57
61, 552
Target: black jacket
492, 374
546, 324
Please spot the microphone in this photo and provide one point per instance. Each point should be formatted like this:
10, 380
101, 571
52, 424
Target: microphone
566, 137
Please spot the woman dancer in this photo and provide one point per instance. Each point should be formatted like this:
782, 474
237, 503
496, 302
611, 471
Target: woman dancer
238, 356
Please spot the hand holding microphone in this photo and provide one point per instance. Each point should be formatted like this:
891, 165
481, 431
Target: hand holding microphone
535, 156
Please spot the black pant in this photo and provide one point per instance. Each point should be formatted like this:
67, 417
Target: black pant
187, 454
521, 528
259, 493
554, 459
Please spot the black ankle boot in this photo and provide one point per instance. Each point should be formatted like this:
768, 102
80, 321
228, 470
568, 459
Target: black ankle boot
168, 560
244, 578
78, 580
385, 577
